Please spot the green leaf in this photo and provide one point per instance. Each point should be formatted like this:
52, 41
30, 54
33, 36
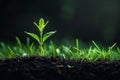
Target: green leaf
41, 24
36, 25
36, 37
41, 21
46, 23
47, 35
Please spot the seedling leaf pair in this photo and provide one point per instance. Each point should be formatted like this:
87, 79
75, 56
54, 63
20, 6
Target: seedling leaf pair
41, 25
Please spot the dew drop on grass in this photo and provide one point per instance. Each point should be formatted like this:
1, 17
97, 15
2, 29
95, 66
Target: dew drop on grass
24, 54
58, 51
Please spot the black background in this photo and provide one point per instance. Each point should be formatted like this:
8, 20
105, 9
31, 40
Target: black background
84, 19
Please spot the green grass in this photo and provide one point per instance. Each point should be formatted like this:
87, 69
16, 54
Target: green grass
93, 53
72, 52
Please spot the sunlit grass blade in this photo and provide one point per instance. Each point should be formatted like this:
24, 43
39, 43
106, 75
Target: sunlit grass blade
110, 48
96, 45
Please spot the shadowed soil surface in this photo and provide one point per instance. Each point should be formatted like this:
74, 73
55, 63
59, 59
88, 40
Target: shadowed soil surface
41, 68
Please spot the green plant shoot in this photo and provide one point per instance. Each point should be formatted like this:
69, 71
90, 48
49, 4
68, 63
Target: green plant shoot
41, 38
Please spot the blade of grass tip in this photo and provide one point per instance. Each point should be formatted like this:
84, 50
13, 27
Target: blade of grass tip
110, 48
77, 45
19, 42
113, 46
96, 45
112, 56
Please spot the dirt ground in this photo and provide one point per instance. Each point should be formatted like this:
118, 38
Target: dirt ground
41, 68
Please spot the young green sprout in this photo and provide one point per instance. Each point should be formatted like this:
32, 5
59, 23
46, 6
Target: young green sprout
41, 38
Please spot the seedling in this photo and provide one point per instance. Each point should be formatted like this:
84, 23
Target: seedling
41, 38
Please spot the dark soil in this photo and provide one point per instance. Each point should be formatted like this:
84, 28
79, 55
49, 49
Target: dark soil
40, 68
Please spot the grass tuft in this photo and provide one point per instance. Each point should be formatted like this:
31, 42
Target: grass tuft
93, 53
